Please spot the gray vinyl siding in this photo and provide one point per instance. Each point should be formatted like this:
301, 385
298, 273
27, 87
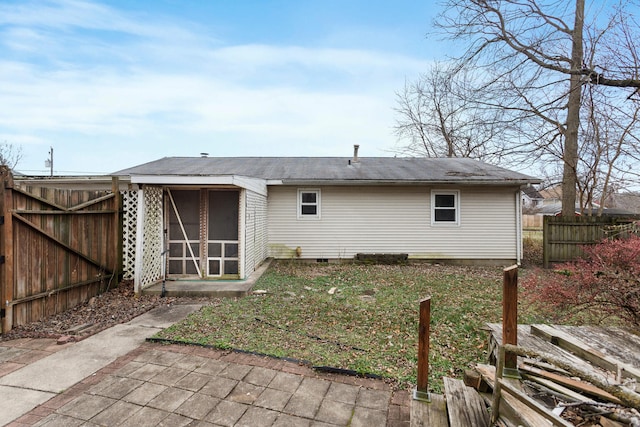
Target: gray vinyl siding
393, 219
255, 231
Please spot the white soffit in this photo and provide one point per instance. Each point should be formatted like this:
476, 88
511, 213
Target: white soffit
257, 185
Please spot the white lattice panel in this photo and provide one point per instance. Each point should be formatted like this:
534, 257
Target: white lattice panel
256, 231
152, 237
129, 228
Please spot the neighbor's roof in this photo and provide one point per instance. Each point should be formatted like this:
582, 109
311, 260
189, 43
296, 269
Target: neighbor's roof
532, 193
556, 208
335, 169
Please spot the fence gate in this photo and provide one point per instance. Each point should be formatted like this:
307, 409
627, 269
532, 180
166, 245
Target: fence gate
58, 248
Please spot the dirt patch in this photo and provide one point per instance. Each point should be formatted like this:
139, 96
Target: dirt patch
118, 305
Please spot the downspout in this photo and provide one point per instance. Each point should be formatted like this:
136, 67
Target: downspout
518, 226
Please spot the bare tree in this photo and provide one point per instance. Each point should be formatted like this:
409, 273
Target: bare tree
10, 155
532, 54
439, 117
610, 149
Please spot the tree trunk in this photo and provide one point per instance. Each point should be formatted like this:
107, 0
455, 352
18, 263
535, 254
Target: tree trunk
569, 175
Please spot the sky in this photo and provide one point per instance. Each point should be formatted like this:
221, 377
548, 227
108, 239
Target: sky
112, 84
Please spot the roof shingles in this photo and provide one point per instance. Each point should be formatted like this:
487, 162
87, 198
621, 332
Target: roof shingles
328, 169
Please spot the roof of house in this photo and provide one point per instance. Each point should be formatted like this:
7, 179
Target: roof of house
629, 200
556, 208
532, 193
551, 193
336, 169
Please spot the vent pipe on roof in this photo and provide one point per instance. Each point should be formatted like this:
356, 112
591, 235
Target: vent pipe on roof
355, 153
204, 154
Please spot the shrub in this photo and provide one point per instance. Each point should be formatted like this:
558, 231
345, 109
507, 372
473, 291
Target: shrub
605, 283
532, 251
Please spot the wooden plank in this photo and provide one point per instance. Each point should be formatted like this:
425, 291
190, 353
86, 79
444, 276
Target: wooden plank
496, 398
546, 246
464, 405
510, 313
423, 344
581, 349
557, 387
92, 203
429, 414
529, 341
606, 422
41, 199
613, 341
510, 407
63, 289
535, 406
65, 213
580, 386
7, 273
115, 247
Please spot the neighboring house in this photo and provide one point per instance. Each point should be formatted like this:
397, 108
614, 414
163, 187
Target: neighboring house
628, 200
619, 205
531, 199
551, 195
222, 217
555, 209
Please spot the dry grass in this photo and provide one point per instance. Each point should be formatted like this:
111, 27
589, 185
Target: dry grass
358, 317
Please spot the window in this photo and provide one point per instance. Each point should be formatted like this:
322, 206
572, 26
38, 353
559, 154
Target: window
445, 209
308, 204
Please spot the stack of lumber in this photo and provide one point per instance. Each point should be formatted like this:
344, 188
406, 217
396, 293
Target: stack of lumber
567, 376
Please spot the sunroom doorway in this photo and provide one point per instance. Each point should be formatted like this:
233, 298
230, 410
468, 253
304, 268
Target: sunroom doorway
202, 233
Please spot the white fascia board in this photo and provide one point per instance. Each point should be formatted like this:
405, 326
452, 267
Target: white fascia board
257, 185
492, 183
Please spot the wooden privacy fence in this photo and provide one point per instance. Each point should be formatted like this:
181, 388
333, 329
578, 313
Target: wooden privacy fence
565, 237
532, 222
58, 248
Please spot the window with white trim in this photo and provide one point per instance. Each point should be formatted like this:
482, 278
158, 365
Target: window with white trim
445, 207
308, 204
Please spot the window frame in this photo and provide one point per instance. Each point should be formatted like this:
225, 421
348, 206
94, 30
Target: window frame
456, 208
300, 204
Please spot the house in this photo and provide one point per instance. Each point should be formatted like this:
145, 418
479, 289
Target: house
555, 209
629, 201
617, 204
551, 195
221, 217
531, 199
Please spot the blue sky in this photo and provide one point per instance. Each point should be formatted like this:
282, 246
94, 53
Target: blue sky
114, 83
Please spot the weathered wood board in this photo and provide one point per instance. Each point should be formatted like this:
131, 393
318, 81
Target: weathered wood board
464, 405
429, 414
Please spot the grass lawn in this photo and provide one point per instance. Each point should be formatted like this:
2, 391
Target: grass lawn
358, 317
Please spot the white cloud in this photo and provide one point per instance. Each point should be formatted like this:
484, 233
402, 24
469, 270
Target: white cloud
163, 83
67, 15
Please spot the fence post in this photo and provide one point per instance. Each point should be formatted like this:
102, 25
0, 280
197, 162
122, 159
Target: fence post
6, 249
545, 241
510, 317
421, 392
